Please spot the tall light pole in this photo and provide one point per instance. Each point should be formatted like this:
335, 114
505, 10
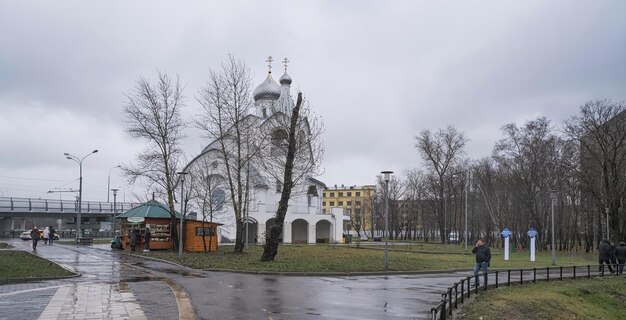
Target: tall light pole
182, 201
466, 186
80, 188
114, 209
386, 175
552, 200
109, 181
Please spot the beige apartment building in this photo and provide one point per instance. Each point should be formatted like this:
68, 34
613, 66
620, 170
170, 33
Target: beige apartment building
356, 201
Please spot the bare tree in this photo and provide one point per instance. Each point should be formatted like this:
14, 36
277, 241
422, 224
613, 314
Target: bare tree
295, 153
226, 119
600, 131
440, 150
208, 193
152, 113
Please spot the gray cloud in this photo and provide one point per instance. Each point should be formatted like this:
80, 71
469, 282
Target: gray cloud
377, 72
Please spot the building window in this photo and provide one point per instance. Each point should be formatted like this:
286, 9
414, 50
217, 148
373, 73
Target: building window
332, 203
332, 194
324, 204
214, 164
218, 198
349, 203
358, 203
358, 194
210, 231
340, 203
349, 194
341, 194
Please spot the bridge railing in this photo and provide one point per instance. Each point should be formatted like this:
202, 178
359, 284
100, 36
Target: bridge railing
23, 205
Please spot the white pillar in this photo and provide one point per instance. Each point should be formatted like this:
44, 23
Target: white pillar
287, 232
312, 235
532, 249
260, 230
506, 249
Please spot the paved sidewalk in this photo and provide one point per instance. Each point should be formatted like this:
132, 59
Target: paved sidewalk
120, 286
110, 287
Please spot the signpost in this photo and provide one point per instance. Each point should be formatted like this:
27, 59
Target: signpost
506, 233
532, 233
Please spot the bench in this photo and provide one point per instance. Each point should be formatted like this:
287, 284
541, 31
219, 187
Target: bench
84, 241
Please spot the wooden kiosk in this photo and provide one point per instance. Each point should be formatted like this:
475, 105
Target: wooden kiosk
156, 216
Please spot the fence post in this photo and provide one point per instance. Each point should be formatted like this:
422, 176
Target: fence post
476, 284
574, 272
508, 280
561, 273
496, 279
534, 275
450, 301
548, 274
456, 296
521, 276
444, 312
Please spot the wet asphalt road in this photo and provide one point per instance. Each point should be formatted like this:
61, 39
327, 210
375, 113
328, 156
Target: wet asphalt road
221, 295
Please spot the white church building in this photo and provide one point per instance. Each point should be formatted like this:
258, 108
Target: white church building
305, 221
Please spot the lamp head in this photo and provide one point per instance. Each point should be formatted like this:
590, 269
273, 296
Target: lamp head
66, 154
68, 157
182, 175
95, 151
386, 175
115, 190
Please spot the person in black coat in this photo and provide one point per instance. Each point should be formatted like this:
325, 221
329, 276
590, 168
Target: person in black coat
604, 255
483, 258
146, 240
620, 254
134, 237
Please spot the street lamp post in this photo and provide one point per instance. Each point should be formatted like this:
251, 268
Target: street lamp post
552, 200
80, 188
386, 175
466, 186
109, 181
182, 201
114, 209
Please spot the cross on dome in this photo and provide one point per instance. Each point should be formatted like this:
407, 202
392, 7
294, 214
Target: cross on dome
285, 61
269, 63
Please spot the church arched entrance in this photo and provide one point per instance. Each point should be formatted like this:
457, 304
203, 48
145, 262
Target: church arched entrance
252, 225
268, 226
299, 231
323, 230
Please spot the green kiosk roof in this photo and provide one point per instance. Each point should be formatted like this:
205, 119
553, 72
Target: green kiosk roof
150, 209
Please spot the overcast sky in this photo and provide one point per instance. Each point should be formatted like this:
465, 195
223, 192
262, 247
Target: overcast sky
377, 72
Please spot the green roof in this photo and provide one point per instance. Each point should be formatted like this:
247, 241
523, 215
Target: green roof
150, 209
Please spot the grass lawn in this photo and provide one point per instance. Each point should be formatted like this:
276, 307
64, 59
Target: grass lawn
20, 264
600, 298
4, 245
325, 258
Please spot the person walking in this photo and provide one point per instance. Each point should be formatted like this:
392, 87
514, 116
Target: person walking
483, 258
34, 236
46, 235
146, 240
604, 255
620, 254
134, 237
613, 257
51, 236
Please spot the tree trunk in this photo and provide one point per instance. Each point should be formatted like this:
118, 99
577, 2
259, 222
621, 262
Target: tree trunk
272, 241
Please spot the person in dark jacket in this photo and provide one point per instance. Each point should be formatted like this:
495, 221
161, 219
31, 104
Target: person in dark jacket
620, 254
146, 240
483, 258
34, 235
134, 237
604, 255
52, 235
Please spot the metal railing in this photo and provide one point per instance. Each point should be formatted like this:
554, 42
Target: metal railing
63, 234
459, 291
26, 205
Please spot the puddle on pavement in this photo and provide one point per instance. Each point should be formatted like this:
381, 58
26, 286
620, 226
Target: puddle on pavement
181, 273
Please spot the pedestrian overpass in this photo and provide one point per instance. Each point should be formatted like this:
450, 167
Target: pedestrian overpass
22, 213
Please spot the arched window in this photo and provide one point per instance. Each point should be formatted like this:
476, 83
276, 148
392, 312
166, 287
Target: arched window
218, 198
279, 142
